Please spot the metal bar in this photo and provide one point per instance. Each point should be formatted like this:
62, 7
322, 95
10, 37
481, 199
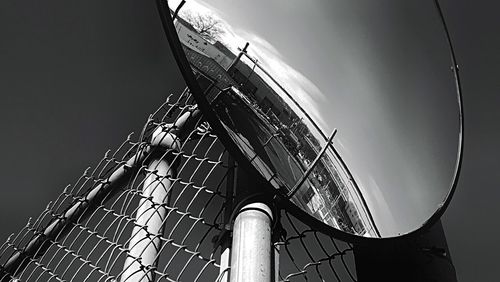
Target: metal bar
174, 16
238, 58
276, 257
251, 257
311, 166
145, 243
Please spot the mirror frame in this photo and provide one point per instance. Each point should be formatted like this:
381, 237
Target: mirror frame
211, 117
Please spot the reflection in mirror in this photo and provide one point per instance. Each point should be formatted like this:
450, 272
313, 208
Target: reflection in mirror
349, 108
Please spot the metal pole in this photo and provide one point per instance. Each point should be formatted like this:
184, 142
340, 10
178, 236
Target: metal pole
224, 262
174, 16
276, 267
252, 253
238, 58
145, 242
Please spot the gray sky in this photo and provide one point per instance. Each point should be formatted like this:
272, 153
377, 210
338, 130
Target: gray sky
67, 67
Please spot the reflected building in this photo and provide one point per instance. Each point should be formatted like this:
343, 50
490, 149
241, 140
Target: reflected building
270, 133
192, 40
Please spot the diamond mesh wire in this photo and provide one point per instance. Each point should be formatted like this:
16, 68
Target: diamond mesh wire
308, 255
94, 245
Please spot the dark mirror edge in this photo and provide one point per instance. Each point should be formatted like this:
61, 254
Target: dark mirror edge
209, 114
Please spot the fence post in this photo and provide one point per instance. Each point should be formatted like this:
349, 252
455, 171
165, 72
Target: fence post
251, 256
145, 242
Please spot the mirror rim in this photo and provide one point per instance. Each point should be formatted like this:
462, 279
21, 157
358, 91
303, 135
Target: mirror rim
309, 220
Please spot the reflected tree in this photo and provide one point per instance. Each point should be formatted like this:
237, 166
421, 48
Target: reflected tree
207, 26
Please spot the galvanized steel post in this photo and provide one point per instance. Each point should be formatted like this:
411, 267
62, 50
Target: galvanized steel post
145, 242
251, 258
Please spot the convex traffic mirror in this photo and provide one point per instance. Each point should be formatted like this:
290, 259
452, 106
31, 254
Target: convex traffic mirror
350, 109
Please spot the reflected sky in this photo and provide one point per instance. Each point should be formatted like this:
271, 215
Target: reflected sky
379, 72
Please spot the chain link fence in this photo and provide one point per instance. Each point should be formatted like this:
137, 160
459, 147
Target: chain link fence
85, 234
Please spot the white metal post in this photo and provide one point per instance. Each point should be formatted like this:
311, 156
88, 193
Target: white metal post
145, 243
251, 256
276, 263
225, 257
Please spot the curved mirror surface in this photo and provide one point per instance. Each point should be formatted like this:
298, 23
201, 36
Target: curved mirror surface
348, 107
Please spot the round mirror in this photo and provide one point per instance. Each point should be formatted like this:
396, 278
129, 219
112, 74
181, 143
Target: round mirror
349, 109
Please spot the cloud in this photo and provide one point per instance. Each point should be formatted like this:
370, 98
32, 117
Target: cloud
303, 90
